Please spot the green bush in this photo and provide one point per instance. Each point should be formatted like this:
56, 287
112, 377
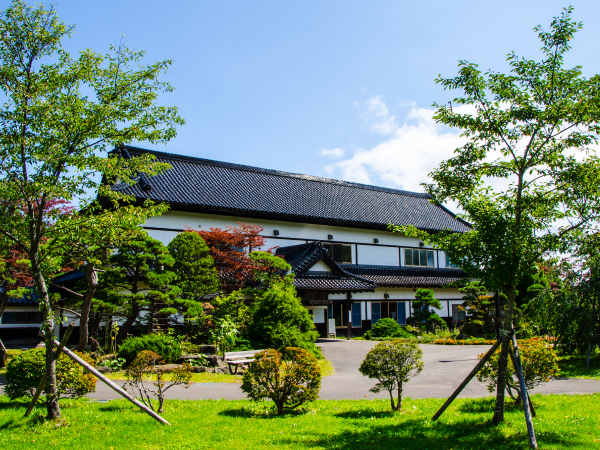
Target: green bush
24, 372
168, 347
472, 328
289, 380
279, 320
392, 364
388, 328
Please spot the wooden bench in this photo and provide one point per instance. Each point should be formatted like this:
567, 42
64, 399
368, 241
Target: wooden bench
240, 358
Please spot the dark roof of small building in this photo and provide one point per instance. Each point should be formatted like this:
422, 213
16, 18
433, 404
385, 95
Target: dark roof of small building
394, 276
203, 185
304, 256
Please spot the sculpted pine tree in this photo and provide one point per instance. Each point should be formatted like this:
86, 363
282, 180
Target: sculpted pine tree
527, 179
59, 115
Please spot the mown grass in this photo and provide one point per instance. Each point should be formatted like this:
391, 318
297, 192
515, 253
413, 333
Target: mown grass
563, 422
573, 366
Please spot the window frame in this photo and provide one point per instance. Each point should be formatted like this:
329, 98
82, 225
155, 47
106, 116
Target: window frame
428, 255
343, 247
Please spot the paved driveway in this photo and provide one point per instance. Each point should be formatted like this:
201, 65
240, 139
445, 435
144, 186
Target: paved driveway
445, 367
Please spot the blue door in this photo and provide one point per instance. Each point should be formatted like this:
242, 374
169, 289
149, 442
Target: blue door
401, 313
375, 313
356, 319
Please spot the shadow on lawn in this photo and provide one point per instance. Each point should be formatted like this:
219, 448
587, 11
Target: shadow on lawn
419, 434
14, 404
261, 412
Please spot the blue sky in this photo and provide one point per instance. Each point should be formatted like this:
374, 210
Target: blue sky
341, 89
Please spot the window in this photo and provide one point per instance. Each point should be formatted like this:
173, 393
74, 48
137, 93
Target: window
22, 317
340, 253
458, 314
422, 258
450, 264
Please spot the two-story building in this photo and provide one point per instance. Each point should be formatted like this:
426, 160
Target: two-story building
350, 269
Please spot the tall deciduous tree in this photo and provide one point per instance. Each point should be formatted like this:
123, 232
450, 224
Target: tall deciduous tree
526, 179
59, 115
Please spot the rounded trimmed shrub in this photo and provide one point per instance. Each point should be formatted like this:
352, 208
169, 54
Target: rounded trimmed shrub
166, 346
289, 379
24, 372
388, 328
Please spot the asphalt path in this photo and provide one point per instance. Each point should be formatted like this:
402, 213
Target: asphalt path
444, 369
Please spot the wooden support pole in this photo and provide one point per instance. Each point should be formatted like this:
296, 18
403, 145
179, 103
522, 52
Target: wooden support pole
42, 384
349, 302
459, 389
524, 395
514, 361
113, 386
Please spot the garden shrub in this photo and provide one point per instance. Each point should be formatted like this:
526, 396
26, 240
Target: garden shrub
472, 328
279, 320
392, 363
388, 328
24, 372
140, 372
540, 365
168, 347
289, 379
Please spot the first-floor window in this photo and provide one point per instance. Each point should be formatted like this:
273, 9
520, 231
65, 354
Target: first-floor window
458, 313
413, 257
22, 317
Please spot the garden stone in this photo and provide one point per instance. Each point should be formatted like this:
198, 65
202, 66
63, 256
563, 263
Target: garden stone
461, 337
103, 369
40, 345
223, 370
199, 369
168, 367
208, 349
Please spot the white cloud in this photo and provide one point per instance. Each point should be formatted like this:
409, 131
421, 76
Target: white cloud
404, 160
333, 153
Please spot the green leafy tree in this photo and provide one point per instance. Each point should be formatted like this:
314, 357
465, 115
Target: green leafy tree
279, 320
93, 238
422, 312
139, 280
392, 363
517, 178
59, 115
540, 365
289, 381
195, 271
479, 304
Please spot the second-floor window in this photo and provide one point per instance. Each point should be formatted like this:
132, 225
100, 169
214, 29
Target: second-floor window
422, 258
449, 263
341, 254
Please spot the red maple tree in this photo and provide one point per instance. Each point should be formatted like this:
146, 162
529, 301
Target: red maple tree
230, 248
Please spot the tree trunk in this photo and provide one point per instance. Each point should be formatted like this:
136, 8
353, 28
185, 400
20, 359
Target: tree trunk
503, 360
91, 277
399, 403
52, 405
124, 330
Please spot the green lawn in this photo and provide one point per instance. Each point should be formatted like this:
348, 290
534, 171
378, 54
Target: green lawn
574, 367
563, 422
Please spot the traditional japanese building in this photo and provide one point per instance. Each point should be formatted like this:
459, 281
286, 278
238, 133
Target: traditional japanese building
350, 269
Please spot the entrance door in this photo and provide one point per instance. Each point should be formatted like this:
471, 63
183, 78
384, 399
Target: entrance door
356, 317
401, 313
375, 313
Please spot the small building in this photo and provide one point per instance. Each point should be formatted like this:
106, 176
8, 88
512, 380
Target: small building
351, 271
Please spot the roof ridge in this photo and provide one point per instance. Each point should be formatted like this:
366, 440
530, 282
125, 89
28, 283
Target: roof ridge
280, 173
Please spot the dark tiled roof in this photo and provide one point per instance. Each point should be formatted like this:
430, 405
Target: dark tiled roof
216, 187
304, 256
393, 276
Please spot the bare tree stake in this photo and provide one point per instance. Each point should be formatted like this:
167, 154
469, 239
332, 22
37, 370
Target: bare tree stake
466, 381
524, 395
113, 386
